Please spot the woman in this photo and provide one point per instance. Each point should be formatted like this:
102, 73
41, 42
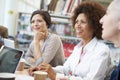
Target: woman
90, 58
45, 47
3, 32
111, 30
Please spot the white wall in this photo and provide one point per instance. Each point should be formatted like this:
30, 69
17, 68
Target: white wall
10, 17
26, 6
2, 8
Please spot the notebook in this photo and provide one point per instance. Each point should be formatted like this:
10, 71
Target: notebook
9, 59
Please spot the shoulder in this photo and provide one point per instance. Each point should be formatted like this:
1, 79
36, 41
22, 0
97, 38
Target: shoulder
102, 45
31, 46
102, 48
54, 37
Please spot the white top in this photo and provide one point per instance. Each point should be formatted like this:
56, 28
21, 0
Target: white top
94, 63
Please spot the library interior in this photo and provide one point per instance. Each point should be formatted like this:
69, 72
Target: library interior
15, 17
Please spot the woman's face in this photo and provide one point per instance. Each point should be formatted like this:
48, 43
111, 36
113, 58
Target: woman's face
110, 24
82, 27
38, 24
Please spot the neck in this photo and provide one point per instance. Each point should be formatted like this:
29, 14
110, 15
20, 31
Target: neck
85, 41
116, 41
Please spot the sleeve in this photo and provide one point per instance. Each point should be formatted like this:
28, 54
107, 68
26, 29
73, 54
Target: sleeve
97, 69
99, 66
29, 55
50, 49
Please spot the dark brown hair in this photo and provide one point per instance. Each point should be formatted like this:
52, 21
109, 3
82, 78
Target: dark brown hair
93, 12
46, 16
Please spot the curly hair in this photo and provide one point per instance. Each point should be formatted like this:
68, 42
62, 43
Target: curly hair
93, 12
46, 16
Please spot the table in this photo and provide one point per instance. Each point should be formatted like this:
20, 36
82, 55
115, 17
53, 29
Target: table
23, 75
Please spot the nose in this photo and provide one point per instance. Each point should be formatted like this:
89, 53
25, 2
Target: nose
77, 26
35, 23
101, 20
78, 23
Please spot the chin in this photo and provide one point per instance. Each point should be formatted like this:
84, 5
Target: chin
106, 37
35, 30
78, 36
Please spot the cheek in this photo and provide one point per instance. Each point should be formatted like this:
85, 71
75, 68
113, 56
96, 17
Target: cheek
109, 32
32, 27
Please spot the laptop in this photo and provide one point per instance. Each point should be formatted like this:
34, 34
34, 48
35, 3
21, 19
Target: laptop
9, 43
9, 59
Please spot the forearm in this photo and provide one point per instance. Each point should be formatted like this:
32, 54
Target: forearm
30, 60
37, 51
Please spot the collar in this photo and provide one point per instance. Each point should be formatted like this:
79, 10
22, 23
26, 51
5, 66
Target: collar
89, 46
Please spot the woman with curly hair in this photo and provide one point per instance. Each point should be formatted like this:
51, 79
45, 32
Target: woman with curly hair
90, 59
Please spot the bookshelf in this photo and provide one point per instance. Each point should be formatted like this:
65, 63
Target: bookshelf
63, 6
60, 14
60, 25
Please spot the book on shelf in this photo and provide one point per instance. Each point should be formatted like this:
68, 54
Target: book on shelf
69, 5
59, 6
66, 6
63, 6
52, 5
75, 4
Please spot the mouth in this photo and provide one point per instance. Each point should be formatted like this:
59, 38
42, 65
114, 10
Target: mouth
78, 31
36, 29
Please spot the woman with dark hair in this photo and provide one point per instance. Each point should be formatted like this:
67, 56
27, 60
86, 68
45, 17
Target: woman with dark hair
45, 47
90, 59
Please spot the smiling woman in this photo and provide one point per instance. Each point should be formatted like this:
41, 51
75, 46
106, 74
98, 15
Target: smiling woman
111, 30
90, 59
45, 47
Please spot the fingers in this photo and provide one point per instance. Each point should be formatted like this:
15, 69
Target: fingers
39, 36
31, 70
44, 67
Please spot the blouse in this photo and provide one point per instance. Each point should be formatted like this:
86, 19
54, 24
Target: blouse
92, 66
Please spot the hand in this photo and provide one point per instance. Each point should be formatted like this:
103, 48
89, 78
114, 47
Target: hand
48, 68
31, 70
39, 36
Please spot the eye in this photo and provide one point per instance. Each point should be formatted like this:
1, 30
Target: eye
84, 22
76, 21
39, 20
32, 21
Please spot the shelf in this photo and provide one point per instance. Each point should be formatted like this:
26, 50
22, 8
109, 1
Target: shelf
64, 37
60, 16
60, 20
69, 37
26, 32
